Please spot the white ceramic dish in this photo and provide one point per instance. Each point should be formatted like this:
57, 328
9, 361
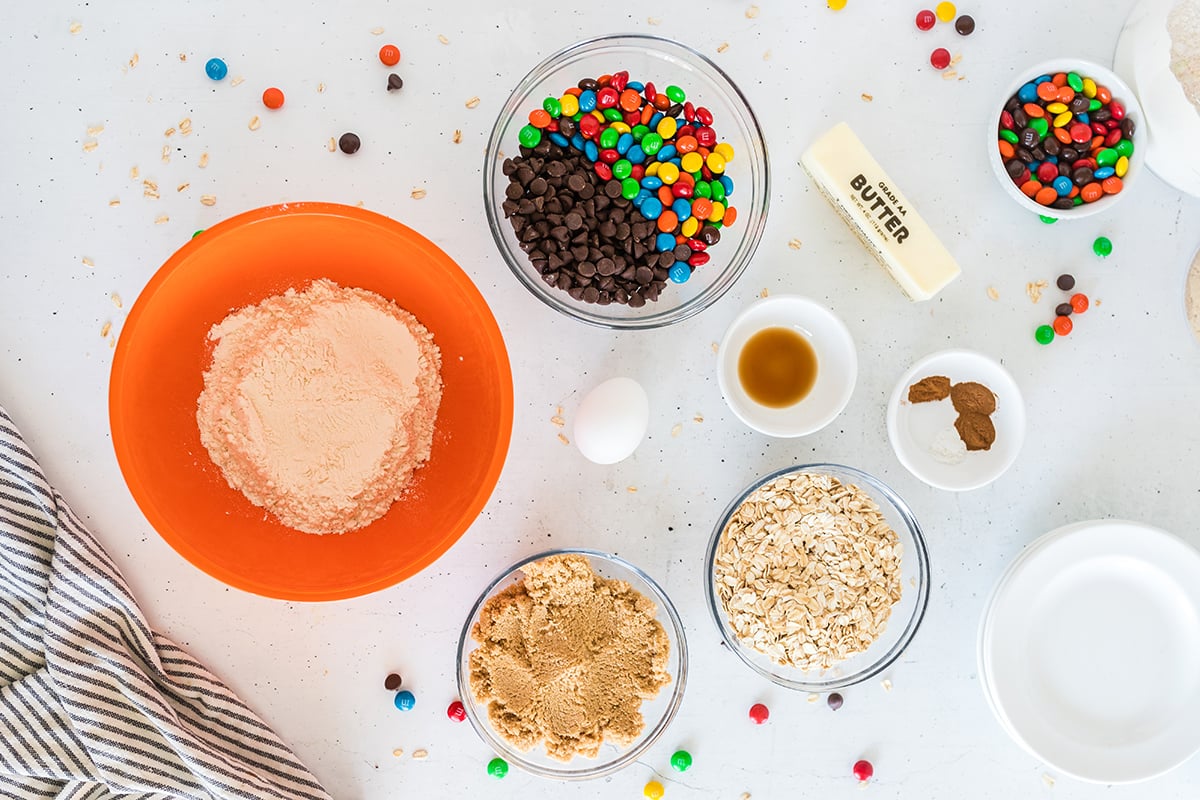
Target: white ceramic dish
1120, 91
1172, 123
913, 427
1089, 651
837, 365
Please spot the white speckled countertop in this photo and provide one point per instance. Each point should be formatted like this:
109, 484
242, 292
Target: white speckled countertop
1110, 428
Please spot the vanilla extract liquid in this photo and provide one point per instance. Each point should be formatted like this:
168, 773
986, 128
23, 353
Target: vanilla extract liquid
777, 367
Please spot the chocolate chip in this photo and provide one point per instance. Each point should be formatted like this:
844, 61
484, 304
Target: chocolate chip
349, 143
612, 189
1066, 282
965, 25
644, 275
1063, 309
395, 83
392, 682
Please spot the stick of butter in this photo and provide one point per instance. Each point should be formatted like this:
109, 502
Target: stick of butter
886, 223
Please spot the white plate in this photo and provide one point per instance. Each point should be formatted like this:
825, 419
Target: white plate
1090, 651
913, 427
837, 365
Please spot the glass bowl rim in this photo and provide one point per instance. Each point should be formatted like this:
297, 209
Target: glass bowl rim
600, 769
878, 489
732, 272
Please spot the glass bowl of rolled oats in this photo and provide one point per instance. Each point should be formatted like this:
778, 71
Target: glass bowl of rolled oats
818, 577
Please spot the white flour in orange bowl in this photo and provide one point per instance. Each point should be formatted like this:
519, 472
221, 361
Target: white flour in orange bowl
320, 404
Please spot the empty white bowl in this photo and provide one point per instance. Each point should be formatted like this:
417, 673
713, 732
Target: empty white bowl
913, 428
837, 365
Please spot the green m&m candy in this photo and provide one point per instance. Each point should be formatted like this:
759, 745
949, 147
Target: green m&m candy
529, 136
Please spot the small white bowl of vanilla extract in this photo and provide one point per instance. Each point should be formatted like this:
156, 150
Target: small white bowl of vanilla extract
787, 366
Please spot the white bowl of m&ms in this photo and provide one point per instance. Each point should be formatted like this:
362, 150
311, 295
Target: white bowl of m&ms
1067, 139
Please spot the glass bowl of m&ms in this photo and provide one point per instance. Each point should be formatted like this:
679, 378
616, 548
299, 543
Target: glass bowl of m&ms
1066, 141
626, 182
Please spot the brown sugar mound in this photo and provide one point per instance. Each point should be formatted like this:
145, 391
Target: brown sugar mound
567, 657
928, 390
972, 398
976, 430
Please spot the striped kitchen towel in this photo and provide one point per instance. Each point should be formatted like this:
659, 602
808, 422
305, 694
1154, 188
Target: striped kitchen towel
94, 704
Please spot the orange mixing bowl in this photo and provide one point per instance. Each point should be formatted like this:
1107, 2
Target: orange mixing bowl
158, 371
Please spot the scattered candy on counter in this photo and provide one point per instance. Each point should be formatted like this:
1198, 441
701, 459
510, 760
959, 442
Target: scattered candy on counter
1063, 325
273, 98
835, 701
940, 58
456, 712
926, 19
965, 25
1063, 309
1047, 220
653, 790
759, 713
863, 770
497, 768
405, 700
389, 54
197, 233
395, 83
1066, 282
1102, 246
681, 760
836, 5
657, 161
1044, 334
945, 11
392, 682
1079, 303
1065, 140
349, 143
216, 69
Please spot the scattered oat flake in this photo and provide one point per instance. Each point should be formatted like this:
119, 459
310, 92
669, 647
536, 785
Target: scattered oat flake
1097, 303
557, 421
721, 48
169, 132
767, 56
208, 199
133, 173
105, 328
75, 28
765, 293
992, 293
237, 81
377, 31
417, 194
203, 160
744, 796
182, 186
813, 698
867, 97
95, 130
87, 262
255, 122
677, 429
1048, 779
133, 60
631, 489
751, 12
331, 146
420, 755
653, 21
183, 56
949, 74
320, 88
956, 59
716, 348
443, 39
886, 684
116, 201
794, 244
90, 145
474, 101
698, 418
166, 154
457, 136
161, 219
1034, 290
398, 752
185, 126
563, 439
116, 299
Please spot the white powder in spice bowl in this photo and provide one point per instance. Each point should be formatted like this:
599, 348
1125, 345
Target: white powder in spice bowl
320, 404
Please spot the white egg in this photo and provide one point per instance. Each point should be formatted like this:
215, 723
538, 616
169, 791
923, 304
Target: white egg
612, 420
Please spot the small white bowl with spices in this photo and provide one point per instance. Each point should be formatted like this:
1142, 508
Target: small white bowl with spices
791, 591
956, 420
787, 366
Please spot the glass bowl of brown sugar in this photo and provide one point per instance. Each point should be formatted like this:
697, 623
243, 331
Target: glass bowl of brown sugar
571, 664
620, 210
